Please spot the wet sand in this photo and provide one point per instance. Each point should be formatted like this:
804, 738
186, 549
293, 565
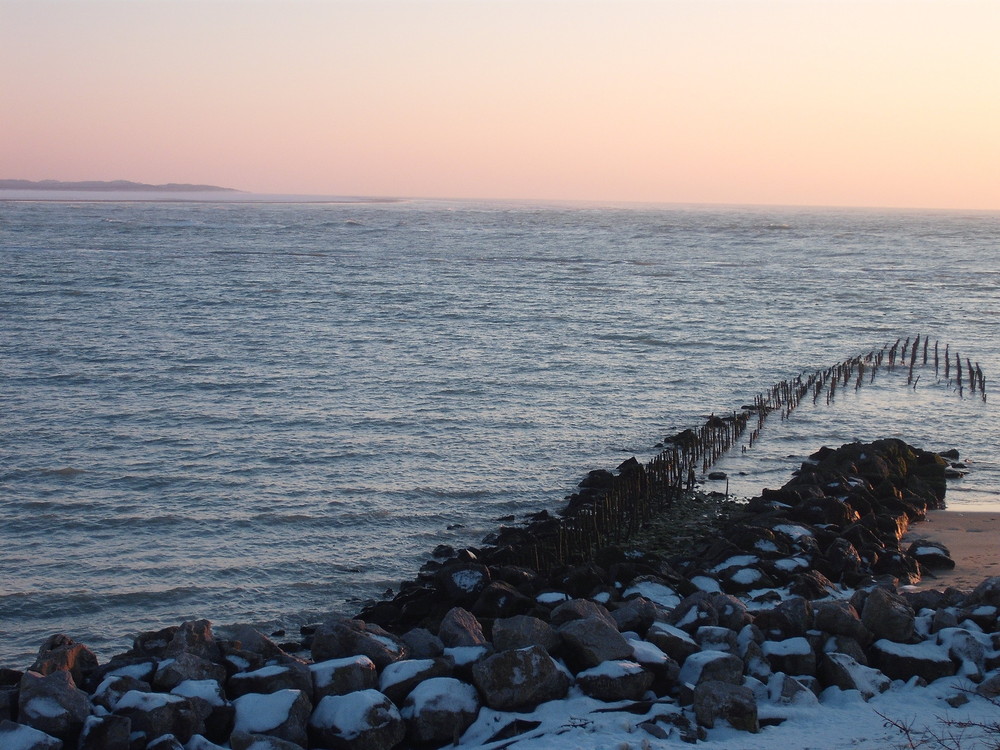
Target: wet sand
972, 537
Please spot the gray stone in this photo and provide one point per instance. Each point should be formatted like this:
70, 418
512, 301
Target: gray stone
714, 700
343, 676
194, 637
519, 679
707, 666
580, 609
53, 704
521, 631
341, 637
459, 627
618, 680
62, 652
785, 689
792, 656
887, 615
901, 661
423, 644
114, 687
165, 742
109, 732
365, 720
931, 555
987, 592
291, 676
156, 714
440, 710
636, 615
717, 638
24, 737
842, 671
840, 618
186, 666
587, 643
251, 741
399, 678
674, 642
284, 714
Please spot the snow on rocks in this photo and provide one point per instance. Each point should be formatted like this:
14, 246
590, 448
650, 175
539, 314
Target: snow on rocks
789, 617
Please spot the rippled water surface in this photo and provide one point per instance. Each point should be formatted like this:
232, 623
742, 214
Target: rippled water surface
267, 413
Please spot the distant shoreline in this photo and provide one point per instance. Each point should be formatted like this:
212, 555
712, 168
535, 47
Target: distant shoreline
222, 196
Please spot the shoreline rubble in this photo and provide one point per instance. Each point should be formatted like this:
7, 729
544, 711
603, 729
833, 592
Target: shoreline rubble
804, 590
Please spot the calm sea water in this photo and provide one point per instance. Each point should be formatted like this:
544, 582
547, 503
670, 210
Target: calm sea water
267, 413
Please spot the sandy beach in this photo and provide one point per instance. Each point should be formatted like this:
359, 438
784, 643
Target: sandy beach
972, 537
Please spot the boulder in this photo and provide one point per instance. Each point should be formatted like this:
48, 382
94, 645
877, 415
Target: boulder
109, 732
707, 666
901, 661
23, 737
439, 710
250, 741
251, 640
208, 702
521, 631
62, 652
53, 704
931, 555
196, 638
399, 678
840, 618
887, 615
114, 687
580, 609
291, 676
674, 642
500, 599
792, 656
186, 666
843, 671
283, 714
165, 742
363, 720
617, 680
156, 714
519, 679
717, 638
464, 582
342, 676
636, 614
987, 593
785, 689
587, 643
736, 704
459, 627
423, 644
341, 637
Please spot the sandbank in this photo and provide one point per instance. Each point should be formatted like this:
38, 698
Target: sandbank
972, 537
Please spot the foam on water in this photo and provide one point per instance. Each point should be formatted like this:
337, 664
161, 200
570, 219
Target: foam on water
265, 413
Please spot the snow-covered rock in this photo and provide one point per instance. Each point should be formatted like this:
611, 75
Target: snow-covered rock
342, 676
283, 714
53, 704
616, 680
519, 679
439, 710
342, 637
364, 720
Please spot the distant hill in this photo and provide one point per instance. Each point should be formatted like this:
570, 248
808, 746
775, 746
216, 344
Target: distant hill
112, 185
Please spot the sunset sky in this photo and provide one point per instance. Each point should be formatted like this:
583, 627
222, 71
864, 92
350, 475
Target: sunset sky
816, 102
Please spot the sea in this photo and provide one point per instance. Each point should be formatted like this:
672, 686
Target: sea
272, 412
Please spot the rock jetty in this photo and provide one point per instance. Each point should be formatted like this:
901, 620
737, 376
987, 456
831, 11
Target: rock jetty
803, 590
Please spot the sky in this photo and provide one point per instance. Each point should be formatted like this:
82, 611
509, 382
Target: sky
891, 103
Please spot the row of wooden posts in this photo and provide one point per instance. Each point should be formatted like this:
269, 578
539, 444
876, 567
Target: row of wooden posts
639, 491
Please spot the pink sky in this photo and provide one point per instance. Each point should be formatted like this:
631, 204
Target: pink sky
817, 102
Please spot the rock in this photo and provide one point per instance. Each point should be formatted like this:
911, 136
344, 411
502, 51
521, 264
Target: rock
965, 649
587, 643
423, 644
500, 599
580, 609
785, 689
364, 720
62, 652
521, 631
251, 741
887, 615
208, 702
673, 641
154, 643
271, 679
113, 688
931, 555
165, 742
53, 704
990, 687
439, 710
714, 700
790, 618
900, 661
339, 638
711, 666
283, 714
156, 714
987, 592
617, 680
399, 678
842, 671
840, 618
464, 582
343, 676
253, 641
109, 732
23, 737
519, 679
717, 638
792, 656
186, 666
196, 638
636, 614
459, 627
